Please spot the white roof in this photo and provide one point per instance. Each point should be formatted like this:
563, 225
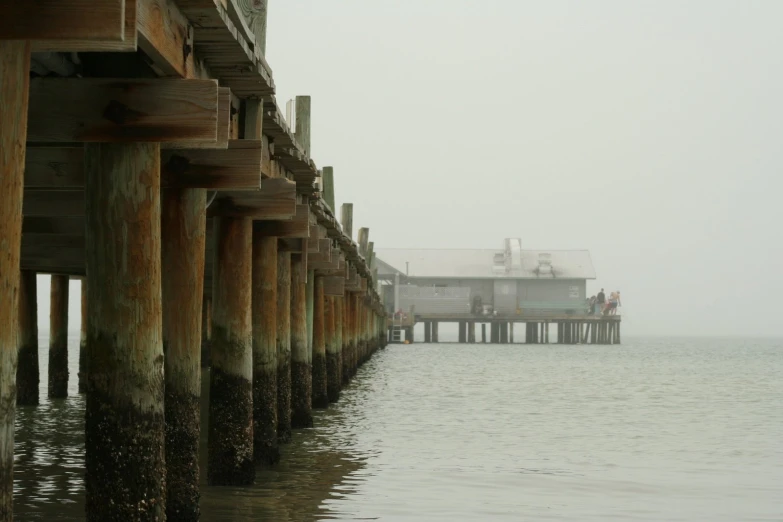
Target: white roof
478, 264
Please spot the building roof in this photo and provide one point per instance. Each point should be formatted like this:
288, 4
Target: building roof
482, 264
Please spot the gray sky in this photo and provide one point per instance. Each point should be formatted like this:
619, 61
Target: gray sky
648, 132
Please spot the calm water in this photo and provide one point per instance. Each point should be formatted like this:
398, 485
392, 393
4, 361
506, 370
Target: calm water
653, 430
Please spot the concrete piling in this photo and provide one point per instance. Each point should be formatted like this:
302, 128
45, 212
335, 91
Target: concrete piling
265, 256
58, 338
183, 233
125, 475
231, 378
320, 397
27, 372
301, 356
283, 346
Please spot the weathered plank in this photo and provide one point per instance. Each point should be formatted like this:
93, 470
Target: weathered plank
275, 201
122, 110
128, 43
298, 226
53, 203
54, 168
166, 36
223, 126
334, 286
73, 226
237, 168
62, 20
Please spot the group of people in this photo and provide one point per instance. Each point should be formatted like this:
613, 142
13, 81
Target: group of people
599, 304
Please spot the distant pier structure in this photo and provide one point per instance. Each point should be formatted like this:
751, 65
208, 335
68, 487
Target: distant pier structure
514, 295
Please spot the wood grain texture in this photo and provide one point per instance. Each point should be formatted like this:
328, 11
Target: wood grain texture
14, 74
223, 127
120, 110
62, 19
54, 168
166, 36
54, 203
236, 168
297, 227
128, 43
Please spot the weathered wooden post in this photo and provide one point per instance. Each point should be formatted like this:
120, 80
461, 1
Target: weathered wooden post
334, 359
58, 338
125, 475
346, 218
283, 346
83, 339
301, 355
463, 330
310, 309
231, 379
265, 254
484, 333
320, 397
511, 332
183, 234
14, 94
346, 329
27, 373
435, 332
427, 331
206, 329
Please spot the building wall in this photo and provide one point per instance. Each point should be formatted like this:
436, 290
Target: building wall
551, 290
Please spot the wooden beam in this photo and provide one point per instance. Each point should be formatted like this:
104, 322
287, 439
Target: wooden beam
237, 168
54, 168
128, 43
298, 226
48, 225
334, 286
223, 126
122, 110
62, 20
275, 201
53, 203
166, 36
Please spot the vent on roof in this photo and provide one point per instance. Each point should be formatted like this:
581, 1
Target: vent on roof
499, 264
544, 268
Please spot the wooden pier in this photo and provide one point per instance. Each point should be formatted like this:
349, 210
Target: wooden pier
538, 328
142, 150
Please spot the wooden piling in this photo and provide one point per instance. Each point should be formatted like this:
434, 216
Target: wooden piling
427, 331
462, 331
14, 94
231, 378
27, 373
125, 476
183, 238
484, 333
58, 338
83, 339
283, 346
347, 337
334, 352
301, 356
435, 332
320, 389
206, 330
511, 332
472, 332
265, 445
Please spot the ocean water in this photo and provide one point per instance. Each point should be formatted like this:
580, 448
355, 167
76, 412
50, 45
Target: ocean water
655, 429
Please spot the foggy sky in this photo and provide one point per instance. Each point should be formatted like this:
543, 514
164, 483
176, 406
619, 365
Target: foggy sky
650, 133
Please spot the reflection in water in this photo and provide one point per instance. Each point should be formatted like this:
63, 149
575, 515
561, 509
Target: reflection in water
651, 430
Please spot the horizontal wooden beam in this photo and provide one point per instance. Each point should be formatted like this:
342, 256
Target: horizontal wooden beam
54, 168
298, 226
276, 201
48, 225
334, 286
122, 110
128, 43
223, 127
237, 167
166, 36
53, 203
62, 20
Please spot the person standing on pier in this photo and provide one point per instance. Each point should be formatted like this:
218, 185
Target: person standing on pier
601, 301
